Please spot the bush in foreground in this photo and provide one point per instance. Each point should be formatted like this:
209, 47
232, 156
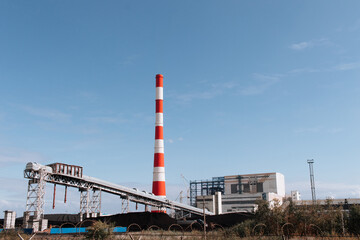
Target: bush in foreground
99, 230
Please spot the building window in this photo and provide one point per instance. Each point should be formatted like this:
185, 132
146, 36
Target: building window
259, 187
234, 188
246, 188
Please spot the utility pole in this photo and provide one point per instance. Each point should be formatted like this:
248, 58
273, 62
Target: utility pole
312, 182
204, 218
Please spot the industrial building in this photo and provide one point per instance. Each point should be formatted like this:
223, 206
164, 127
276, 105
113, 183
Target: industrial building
237, 193
345, 204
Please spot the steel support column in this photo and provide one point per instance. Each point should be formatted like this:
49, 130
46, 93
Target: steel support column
35, 196
124, 205
85, 203
95, 203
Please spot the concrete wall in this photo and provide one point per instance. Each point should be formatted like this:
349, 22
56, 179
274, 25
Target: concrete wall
280, 184
9, 219
255, 183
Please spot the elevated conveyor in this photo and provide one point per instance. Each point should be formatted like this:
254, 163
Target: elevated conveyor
71, 176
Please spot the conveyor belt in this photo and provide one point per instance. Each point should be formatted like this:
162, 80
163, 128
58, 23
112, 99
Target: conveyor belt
86, 182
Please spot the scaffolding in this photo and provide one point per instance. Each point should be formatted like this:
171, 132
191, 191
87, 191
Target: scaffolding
206, 187
235, 184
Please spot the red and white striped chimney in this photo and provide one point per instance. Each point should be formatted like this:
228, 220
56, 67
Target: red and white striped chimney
158, 187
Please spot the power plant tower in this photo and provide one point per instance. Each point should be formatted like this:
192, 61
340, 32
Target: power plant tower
158, 187
312, 182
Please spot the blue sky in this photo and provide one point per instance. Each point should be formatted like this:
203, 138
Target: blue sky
249, 87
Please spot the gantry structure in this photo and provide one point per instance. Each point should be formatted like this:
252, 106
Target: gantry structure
90, 191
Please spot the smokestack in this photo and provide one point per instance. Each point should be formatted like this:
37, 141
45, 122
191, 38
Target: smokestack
158, 187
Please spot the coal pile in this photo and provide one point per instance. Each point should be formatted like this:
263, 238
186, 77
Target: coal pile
60, 219
143, 219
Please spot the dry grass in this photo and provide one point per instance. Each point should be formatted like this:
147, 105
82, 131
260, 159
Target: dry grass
166, 235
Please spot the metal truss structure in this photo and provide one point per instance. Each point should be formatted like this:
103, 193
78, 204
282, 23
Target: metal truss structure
36, 193
85, 203
39, 174
205, 187
125, 205
95, 204
312, 181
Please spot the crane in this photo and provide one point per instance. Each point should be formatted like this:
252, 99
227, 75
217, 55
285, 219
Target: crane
187, 184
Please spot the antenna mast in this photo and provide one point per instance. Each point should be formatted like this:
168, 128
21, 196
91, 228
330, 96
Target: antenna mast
313, 195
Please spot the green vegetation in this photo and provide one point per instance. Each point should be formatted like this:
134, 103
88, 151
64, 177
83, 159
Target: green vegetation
99, 230
353, 224
296, 220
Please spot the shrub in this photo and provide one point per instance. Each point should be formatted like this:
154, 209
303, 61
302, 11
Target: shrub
99, 230
354, 220
243, 229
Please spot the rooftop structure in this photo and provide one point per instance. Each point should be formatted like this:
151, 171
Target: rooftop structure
239, 192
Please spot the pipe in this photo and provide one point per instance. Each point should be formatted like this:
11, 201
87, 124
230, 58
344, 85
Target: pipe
65, 194
54, 196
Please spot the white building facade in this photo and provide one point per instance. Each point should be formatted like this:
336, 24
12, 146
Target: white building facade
239, 192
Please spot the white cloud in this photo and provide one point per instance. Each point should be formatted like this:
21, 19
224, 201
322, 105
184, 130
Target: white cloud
15, 205
308, 130
214, 90
14, 186
260, 84
107, 119
338, 190
347, 66
338, 67
170, 140
324, 190
301, 45
309, 44
319, 129
304, 70
257, 85
225, 85
335, 130
51, 114
187, 97
13, 194
354, 27
129, 60
89, 130
89, 96
13, 155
